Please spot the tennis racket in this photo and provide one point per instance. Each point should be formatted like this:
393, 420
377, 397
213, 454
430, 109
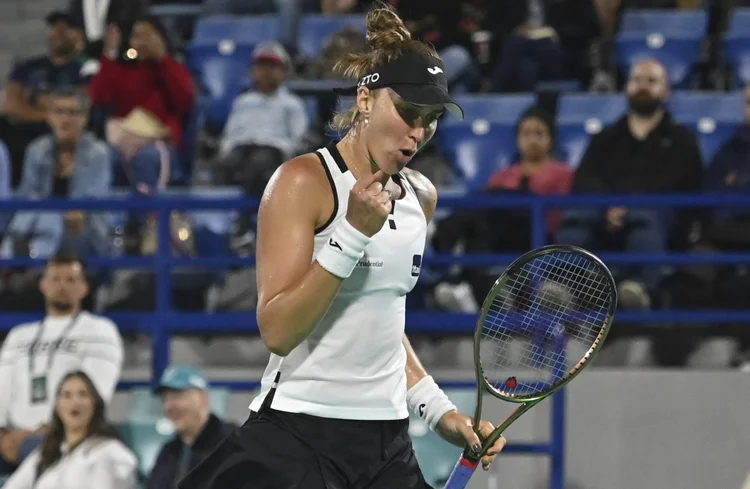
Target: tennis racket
545, 301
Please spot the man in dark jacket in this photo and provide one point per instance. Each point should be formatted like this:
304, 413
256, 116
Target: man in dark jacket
644, 152
184, 392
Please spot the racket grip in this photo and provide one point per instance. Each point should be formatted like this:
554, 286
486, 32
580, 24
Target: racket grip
462, 473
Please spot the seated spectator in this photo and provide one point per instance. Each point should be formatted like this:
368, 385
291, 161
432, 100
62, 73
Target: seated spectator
441, 24
251, 151
65, 164
184, 393
35, 357
537, 40
536, 172
31, 81
644, 152
81, 450
146, 77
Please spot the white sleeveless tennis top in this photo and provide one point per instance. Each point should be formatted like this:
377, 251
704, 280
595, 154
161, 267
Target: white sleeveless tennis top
352, 365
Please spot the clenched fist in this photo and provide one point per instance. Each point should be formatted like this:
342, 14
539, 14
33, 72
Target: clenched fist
369, 204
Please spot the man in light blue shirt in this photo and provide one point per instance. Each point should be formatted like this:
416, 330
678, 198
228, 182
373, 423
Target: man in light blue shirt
269, 114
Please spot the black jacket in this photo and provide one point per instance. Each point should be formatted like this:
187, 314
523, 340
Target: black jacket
165, 468
667, 161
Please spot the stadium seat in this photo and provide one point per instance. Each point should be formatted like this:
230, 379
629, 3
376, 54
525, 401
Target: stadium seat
314, 30
674, 37
736, 46
582, 115
486, 139
678, 55
145, 407
435, 457
714, 117
668, 22
145, 439
499, 109
242, 30
221, 71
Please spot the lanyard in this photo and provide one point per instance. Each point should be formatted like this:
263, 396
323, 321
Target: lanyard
37, 340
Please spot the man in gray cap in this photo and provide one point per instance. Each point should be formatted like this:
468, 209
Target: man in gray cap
184, 392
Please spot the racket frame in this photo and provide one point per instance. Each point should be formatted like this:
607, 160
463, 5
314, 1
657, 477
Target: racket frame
528, 402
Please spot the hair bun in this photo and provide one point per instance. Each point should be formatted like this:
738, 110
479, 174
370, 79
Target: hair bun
385, 28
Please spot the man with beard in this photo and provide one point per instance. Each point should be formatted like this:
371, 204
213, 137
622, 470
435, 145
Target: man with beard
644, 152
31, 81
36, 356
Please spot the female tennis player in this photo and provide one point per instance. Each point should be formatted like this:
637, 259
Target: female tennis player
341, 234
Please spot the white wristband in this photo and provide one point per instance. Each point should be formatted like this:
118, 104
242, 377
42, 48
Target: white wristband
344, 249
428, 401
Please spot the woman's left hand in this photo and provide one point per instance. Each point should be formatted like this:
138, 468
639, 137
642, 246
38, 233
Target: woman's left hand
458, 429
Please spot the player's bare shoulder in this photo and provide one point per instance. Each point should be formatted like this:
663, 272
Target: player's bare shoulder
299, 184
426, 191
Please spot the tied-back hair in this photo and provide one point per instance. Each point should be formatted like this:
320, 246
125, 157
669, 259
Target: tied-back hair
51, 449
387, 39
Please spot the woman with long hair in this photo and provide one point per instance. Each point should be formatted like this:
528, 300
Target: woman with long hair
341, 234
81, 449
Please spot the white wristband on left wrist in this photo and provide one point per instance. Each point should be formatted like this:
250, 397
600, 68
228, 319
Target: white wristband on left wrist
428, 401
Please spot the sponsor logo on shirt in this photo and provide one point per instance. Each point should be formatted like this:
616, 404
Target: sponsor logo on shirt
370, 264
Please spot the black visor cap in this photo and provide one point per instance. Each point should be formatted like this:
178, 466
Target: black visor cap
417, 78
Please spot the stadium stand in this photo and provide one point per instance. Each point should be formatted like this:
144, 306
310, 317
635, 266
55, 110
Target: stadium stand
219, 56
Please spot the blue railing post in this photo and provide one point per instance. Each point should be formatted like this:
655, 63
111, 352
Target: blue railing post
163, 278
557, 416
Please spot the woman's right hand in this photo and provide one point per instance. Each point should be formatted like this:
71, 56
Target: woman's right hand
369, 204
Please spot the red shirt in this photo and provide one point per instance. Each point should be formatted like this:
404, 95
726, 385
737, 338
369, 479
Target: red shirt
163, 87
553, 178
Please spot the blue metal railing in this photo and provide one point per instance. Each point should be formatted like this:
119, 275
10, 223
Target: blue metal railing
164, 322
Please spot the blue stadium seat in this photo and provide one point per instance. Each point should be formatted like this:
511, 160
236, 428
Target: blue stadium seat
674, 37
486, 139
221, 71
314, 30
580, 116
500, 109
245, 30
667, 22
714, 117
737, 46
311, 106
679, 55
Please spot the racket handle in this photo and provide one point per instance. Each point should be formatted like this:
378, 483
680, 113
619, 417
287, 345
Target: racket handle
462, 473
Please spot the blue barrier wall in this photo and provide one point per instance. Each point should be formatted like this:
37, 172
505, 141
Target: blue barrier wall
164, 322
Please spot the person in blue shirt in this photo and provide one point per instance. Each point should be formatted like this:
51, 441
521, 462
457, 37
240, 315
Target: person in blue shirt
32, 80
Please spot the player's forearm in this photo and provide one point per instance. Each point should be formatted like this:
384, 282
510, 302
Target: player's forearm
289, 317
414, 369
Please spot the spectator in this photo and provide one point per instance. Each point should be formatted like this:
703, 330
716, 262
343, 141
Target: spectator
149, 79
250, 152
644, 152
184, 393
35, 356
27, 93
537, 40
66, 163
441, 24
81, 449
536, 172
95, 15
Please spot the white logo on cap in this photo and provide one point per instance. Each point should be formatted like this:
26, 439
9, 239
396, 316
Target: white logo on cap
372, 78
435, 70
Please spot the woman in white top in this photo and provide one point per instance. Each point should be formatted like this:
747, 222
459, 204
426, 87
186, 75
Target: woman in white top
81, 450
341, 234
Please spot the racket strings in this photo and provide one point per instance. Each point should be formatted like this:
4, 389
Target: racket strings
551, 300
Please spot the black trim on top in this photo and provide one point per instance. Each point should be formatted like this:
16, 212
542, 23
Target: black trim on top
337, 157
333, 190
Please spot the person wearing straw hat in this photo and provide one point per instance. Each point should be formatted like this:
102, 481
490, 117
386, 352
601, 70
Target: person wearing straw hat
144, 155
